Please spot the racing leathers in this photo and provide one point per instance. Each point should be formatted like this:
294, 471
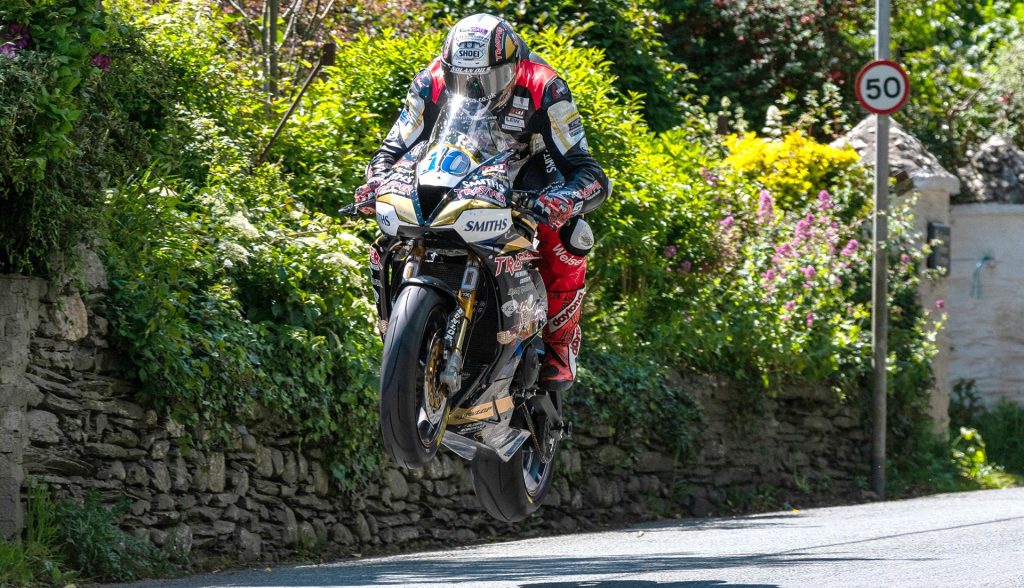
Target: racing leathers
554, 160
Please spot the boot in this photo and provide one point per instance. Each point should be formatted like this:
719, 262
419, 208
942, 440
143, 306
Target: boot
562, 338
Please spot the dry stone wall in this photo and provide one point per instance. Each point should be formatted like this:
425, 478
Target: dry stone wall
264, 496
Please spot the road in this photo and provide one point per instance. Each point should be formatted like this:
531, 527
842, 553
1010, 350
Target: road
966, 539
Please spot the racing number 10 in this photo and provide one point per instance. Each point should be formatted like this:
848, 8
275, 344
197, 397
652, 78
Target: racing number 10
453, 162
891, 87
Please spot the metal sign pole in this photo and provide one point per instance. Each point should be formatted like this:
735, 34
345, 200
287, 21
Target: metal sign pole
879, 278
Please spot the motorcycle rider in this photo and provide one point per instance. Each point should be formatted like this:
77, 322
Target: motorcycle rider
484, 60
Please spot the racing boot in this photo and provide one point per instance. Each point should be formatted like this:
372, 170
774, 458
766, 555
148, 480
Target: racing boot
562, 338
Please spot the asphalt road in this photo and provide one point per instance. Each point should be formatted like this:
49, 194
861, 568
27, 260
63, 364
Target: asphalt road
967, 539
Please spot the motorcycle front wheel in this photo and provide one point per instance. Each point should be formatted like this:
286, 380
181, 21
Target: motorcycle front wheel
512, 490
413, 402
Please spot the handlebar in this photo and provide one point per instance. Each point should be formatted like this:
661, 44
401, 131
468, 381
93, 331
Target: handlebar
353, 209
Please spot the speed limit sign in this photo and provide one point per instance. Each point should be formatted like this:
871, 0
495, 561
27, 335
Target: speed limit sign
882, 87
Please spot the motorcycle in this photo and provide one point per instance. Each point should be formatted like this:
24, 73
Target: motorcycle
461, 307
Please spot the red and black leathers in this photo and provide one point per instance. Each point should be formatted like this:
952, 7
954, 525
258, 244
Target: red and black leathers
542, 119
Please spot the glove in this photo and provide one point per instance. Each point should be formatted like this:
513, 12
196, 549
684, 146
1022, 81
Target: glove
554, 208
364, 193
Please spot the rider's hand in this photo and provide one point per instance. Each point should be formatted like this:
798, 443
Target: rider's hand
554, 208
364, 193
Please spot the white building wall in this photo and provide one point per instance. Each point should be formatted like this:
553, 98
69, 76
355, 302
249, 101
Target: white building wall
986, 305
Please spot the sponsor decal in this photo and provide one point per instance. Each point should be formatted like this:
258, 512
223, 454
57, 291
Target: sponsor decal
498, 224
514, 122
521, 102
469, 278
509, 308
481, 191
549, 162
494, 170
568, 258
395, 186
558, 89
499, 45
375, 256
576, 126
560, 115
470, 70
512, 264
523, 289
590, 189
453, 327
566, 313
471, 51
520, 112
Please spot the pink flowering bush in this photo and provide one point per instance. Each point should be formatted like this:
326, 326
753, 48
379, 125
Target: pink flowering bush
787, 295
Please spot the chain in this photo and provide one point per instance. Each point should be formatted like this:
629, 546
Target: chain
533, 432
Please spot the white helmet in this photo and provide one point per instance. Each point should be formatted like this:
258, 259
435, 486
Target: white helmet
480, 57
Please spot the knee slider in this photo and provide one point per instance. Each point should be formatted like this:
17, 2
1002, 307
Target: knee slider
577, 237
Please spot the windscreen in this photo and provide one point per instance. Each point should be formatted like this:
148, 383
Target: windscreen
466, 134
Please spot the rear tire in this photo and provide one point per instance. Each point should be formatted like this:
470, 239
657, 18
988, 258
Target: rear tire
413, 403
513, 490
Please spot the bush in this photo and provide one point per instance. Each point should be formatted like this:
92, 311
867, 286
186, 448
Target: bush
66, 128
1002, 424
268, 310
794, 167
757, 51
34, 557
628, 32
93, 545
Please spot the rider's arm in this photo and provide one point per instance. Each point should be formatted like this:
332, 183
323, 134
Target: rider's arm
414, 123
559, 122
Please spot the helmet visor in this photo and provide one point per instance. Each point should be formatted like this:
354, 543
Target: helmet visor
489, 85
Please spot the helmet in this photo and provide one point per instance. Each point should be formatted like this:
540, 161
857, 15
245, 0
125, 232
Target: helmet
479, 58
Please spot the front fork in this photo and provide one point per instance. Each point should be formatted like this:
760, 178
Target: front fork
458, 324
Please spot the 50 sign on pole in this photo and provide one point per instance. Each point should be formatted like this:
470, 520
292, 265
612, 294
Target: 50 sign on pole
882, 88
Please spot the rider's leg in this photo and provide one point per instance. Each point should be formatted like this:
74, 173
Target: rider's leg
563, 265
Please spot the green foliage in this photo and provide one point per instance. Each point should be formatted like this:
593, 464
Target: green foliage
633, 397
971, 462
93, 545
67, 127
1002, 424
238, 298
34, 557
627, 31
346, 115
755, 52
267, 309
963, 58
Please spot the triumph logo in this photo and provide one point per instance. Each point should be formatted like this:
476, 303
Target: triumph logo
499, 224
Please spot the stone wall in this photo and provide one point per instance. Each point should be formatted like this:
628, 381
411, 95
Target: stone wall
263, 496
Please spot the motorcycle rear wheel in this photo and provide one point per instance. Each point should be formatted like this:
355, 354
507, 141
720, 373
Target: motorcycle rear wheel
413, 402
513, 490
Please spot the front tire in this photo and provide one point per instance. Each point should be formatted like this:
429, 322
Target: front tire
513, 490
413, 402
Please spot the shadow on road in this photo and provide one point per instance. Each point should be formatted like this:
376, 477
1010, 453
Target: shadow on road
442, 569
645, 584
